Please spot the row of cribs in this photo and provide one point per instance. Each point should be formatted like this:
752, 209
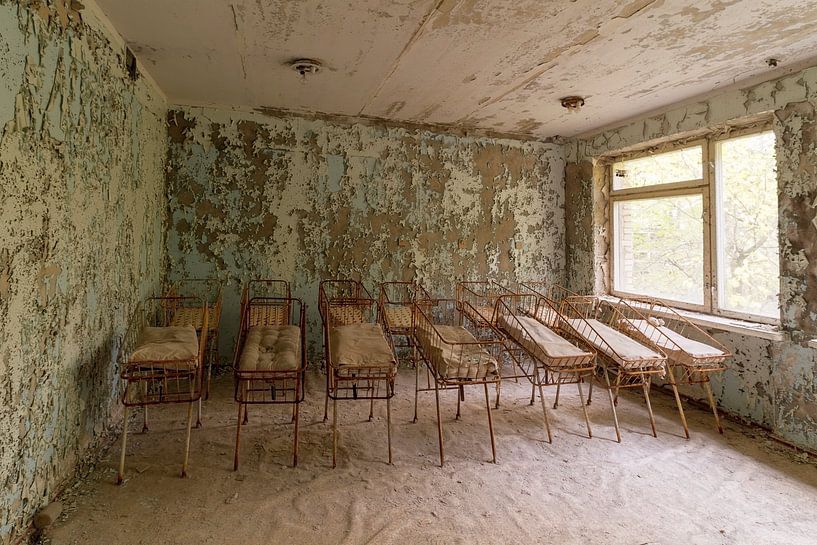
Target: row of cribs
486, 334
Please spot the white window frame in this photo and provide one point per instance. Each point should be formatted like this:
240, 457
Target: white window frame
706, 187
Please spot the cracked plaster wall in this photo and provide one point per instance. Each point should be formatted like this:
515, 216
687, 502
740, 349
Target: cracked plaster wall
770, 383
82, 151
252, 195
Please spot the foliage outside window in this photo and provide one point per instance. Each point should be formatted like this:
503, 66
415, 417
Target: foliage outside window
697, 226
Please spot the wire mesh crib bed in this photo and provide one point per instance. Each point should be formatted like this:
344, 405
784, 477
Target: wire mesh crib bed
454, 358
477, 301
530, 324
693, 355
597, 323
361, 363
270, 353
210, 290
162, 363
397, 302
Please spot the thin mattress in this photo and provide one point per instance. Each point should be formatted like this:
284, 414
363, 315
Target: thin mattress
541, 341
271, 349
677, 346
626, 352
173, 347
361, 345
455, 353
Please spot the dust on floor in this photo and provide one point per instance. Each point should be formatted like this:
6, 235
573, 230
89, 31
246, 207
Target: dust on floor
738, 488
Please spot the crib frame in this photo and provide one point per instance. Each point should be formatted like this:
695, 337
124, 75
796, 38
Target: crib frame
211, 290
693, 369
538, 367
346, 302
401, 295
267, 302
575, 312
159, 382
451, 309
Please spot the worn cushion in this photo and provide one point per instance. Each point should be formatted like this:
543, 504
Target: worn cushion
452, 354
271, 348
193, 316
174, 346
360, 345
677, 346
538, 339
622, 349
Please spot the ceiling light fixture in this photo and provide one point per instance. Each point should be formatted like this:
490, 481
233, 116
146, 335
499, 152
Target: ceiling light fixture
572, 103
305, 67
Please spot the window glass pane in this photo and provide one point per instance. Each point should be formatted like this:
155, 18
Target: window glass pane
748, 253
659, 247
663, 168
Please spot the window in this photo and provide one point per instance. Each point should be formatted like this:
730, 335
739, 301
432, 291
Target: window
697, 226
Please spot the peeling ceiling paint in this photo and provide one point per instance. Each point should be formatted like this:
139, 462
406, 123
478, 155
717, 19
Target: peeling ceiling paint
486, 64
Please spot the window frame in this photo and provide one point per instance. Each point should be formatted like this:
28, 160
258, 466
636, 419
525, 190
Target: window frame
706, 187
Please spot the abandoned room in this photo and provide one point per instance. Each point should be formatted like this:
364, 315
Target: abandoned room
410, 271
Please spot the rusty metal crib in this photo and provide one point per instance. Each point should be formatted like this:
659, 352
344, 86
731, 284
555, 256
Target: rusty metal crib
161, 363
361, 363
270, 353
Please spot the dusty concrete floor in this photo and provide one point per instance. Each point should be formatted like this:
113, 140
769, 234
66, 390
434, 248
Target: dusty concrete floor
738, 488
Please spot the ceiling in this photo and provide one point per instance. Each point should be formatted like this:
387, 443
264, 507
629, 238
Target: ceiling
499, 65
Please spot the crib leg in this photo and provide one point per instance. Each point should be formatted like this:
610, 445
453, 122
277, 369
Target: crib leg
439, 423
612, 407
237, 437
187, 441
246, 415
371, 407
292, 421
590, 393
544, 408
334, 432
584, 408
558, 389
498, 388
326, 399
678, 400
198, 415
416, 387
295, 446
490, 423
145, 419
457, 417
388, 423
708, 389
121, 475
646, 387
533, 391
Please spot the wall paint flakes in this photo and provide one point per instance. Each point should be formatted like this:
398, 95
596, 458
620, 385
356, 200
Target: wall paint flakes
82, 152
307, 199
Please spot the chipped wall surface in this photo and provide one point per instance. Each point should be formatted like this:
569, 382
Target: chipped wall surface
82, 153
771, 383
307, 199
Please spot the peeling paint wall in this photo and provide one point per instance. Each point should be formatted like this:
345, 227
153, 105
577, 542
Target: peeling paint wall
308, 199
82, 152
771, 383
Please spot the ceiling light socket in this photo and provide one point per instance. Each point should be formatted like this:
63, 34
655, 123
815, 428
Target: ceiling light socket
305, 67
572, 103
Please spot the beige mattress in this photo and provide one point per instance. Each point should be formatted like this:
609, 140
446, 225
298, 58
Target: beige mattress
193, 316
175, 347
677, 346
540, 340
398, 317
625, 351
271, 348
359, 345
452, 357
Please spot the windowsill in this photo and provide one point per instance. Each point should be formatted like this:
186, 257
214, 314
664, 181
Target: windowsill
743, 327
